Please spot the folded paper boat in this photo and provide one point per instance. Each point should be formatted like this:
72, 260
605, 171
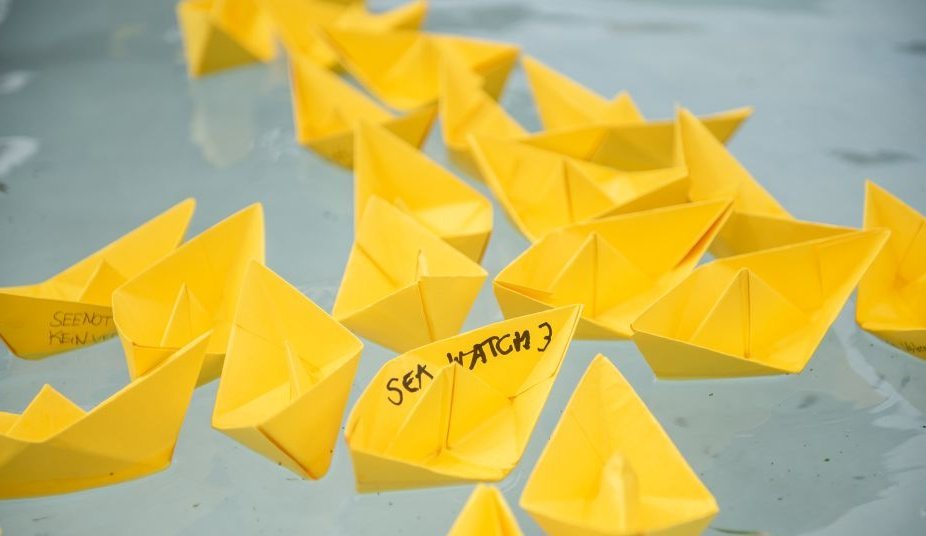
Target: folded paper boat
54, 446
485, 514
610, 469
74, 308
222, 34
461, 409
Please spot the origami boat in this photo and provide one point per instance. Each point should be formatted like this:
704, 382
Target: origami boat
747, 232
755, 314
288, 371
393, 170
485, 514
610, 469
402, 69
326, 111
74, 308
460, 409
892, 295
616, 267
221, 34
542, 191
403, 286
189, 292
54, 446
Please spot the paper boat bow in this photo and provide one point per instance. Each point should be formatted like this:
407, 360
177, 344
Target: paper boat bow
485, 514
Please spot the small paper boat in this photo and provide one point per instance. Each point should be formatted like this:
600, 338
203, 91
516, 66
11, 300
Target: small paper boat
461, 409
485, 514
616, 267
189, 292
222, 34
403, 286
74, 308
610, 469
892, 295
755, 314
327, 109
288, 371
54, 446
393, 170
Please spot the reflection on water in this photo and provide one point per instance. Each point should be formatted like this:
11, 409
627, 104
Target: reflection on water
15, 151
13, 81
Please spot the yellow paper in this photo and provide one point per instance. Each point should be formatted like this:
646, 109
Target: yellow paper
616, 267
287, 374
403, 286
402, 69
221, 34
610, 469
393, 170
327, 109
892, 295
542, 191
54, 446
755, 314
189, 292
485, 514
747, 232
74, 308
460, 409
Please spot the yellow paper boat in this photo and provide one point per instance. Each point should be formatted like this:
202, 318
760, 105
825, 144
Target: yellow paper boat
54, 446
755, 314
461, 409
403, 286
74, 308
466, 110
393, 170
221, 34
402, 69
542, 191
746, 232
892, 295
610, 469
485, 514
327, 109
189, 292
298, 23
287, 374
616, 267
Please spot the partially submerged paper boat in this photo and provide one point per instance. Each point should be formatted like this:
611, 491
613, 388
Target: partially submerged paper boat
892, 295
461, 409
542, 191
54, 446
393, 170
485, 514
288, 371
403, 286
326, 111
755, 314
616, 267
402, 69
191, 291
222, 34
610, 469
74, 308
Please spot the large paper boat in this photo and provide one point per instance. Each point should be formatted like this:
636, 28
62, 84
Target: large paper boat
54, 446
191, 291
755, 314
74, 308
610, 469
288, 370
485, 514
542, 191
402, 69
461, 409
616, 267
222, 34
326, 111
892, 295
403, 286
393, 170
